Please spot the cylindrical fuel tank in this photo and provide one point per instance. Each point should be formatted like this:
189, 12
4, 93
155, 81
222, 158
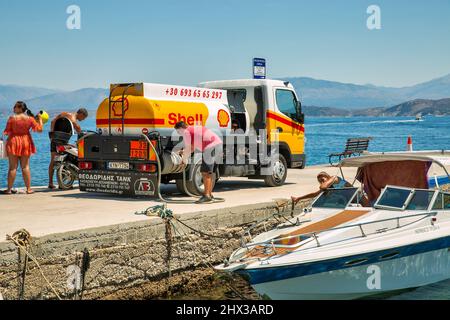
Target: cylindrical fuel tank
172, 163
156, 107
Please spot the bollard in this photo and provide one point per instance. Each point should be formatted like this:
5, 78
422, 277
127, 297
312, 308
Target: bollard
409, 144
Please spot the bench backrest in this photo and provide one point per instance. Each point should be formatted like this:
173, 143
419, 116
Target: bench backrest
357, 144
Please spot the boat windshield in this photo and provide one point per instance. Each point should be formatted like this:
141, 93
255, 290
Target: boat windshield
442, 201
404, 198
394, 198
420, 200
335, 198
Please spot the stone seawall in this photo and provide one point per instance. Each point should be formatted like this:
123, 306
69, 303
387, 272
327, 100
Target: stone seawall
128, 256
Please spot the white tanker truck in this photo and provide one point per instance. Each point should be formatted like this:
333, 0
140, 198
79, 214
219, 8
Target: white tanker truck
120, 160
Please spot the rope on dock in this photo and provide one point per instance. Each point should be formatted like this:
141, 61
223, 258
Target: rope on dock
22, 240
167, 215
281, 206
164, 213
157, 211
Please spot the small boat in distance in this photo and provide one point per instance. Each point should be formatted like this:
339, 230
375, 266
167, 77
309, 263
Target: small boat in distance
419, 117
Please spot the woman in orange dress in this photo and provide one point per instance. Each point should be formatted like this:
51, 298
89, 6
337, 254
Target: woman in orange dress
20, 146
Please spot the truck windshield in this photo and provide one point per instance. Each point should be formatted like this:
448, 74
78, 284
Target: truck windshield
287, 103
335, 198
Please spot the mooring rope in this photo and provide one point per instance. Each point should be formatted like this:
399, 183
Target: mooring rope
22, 239
167, 215
163, 212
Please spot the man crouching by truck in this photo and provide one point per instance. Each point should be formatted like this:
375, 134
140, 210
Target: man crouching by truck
210, 145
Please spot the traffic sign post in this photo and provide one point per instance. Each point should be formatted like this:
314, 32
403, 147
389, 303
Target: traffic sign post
259, 68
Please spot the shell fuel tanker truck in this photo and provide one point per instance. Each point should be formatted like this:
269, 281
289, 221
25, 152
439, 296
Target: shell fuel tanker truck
133, 149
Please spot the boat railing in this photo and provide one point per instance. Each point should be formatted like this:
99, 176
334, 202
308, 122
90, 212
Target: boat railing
315, 235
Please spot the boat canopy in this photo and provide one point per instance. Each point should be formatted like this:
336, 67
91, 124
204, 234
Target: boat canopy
441, 158
407, 169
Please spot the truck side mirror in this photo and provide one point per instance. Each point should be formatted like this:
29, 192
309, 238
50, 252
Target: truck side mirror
301, 118
300, 115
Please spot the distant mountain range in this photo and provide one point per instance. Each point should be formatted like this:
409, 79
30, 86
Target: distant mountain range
351, 96
331, 98
88, 98
410, 109
11, 93
50, 100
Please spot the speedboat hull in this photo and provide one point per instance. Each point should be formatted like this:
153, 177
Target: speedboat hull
403, 268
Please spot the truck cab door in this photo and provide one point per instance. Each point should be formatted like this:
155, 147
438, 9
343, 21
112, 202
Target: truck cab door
287, 119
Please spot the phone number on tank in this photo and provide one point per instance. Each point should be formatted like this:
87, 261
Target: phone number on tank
194, 93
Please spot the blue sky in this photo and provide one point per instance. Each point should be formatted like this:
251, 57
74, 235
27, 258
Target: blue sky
185, 42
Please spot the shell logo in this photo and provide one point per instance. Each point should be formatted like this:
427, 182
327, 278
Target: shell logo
223, 118
117, 107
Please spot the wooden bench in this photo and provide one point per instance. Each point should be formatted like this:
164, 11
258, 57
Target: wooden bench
353, 147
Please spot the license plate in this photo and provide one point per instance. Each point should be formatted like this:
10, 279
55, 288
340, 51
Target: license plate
59, 158
119, 165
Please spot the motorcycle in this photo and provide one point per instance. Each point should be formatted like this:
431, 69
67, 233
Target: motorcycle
66, 166
66, 163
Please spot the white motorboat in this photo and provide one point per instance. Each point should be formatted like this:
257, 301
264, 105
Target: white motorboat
339, 249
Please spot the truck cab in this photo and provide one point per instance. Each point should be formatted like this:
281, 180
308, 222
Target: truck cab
272, 105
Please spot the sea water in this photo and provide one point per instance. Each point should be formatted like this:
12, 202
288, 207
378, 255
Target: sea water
323, 136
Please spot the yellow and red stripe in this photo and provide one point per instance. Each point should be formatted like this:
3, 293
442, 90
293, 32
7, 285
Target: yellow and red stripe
147, 122
286, 121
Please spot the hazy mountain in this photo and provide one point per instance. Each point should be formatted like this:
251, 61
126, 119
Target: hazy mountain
434, 89
423, 106
9, 94
88, 98
351, 96
406, 109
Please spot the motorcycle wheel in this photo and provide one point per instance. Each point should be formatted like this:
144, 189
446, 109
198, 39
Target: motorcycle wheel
66, 177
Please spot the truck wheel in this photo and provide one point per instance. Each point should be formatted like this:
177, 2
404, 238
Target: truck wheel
195, 186
278, 173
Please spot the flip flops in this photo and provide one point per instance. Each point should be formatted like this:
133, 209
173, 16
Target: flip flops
8, 192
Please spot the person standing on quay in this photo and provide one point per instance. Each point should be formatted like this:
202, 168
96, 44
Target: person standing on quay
20, 145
